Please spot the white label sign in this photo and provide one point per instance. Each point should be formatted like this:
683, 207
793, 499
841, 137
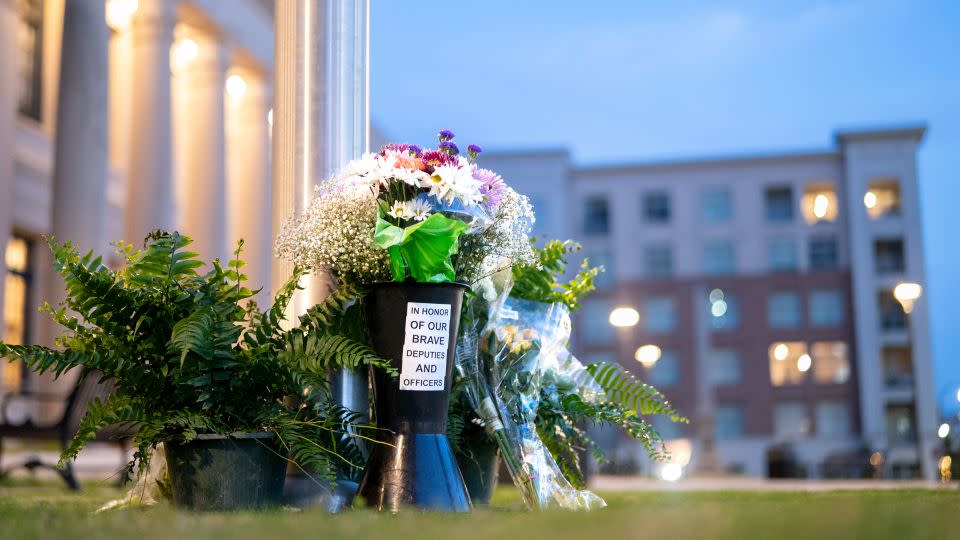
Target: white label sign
425, 343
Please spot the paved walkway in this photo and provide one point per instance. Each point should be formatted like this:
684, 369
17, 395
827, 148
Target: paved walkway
740, 483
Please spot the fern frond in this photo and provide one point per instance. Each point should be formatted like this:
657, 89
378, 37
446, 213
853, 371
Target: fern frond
100, 414
624, 389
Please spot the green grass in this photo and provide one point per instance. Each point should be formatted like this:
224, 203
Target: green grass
28, 511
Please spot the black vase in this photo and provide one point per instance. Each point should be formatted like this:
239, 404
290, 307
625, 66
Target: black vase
414, 326
479, 465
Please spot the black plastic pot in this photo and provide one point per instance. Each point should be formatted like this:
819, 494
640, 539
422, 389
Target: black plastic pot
479, 466
217, 472
414, 464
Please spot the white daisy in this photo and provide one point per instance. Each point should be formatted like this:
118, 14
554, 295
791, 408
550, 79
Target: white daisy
420, 209
400, 210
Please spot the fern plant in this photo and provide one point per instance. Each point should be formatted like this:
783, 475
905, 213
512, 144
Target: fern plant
189, 353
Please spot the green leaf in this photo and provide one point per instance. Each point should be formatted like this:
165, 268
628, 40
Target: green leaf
423, 249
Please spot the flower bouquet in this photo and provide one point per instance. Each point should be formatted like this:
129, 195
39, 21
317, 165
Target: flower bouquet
406, 231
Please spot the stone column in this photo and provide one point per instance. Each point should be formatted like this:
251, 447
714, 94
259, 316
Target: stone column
248, 180
202, 149
149, 184
81, 141
8, 122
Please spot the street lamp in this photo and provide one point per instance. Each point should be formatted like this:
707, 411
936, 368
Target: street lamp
648, 355
623, 317
907, 294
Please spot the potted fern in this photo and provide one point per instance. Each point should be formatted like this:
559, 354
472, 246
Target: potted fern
521, 392
197, 368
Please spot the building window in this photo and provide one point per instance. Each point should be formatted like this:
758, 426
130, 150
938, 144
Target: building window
784, 309
788, 363
831, 364
659, 314
596, 216
719, 257
656, 207
826, 307
892, 317
883, 198
594, 322
725, 313
819, 203
16, 309
779, 204
790, 420
665, 427
541, 206
833, 419
716, 205
782, 254
725, 366
658, 260
888, 256
901, 424
823, 253
897, 367
666, 371
30, 39
728, 421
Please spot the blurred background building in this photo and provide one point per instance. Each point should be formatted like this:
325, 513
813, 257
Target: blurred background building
758, 293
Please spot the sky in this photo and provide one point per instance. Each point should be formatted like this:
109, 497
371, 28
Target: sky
636, 80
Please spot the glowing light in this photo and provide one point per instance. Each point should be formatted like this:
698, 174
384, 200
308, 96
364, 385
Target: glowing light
943, 431
270, 118
671, 472
781, 351
804, 362
119, 13
958, 394
236, 86
716, 295
876, 459
624, 316
183, 53
820, 205
648, 355
907, 294
718, 308
870, 199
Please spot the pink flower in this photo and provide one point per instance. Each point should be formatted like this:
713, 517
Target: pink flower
492, 186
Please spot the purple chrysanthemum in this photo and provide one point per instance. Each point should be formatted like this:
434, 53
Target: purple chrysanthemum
450, 147
492, 186
445, 135
436, 158
415, 149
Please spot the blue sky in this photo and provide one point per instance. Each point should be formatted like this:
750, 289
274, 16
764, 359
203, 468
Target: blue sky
631, 80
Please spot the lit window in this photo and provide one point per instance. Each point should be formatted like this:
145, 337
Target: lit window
30, 59
779, 204
883, 198
728, 421
719, 257
15, 307
593, 320
784, 310
659, 314
833, 419
596, 216
823, 253
786, 359
725, 313
826, 307
656, 207
892, 316
790, 420
830, 362
888, 256
782, 254
819, 203
901, 424
725, 366
897, 367
658, 260
666, 371
717, 205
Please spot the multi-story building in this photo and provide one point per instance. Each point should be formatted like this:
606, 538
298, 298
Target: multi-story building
764, 285
118, 117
